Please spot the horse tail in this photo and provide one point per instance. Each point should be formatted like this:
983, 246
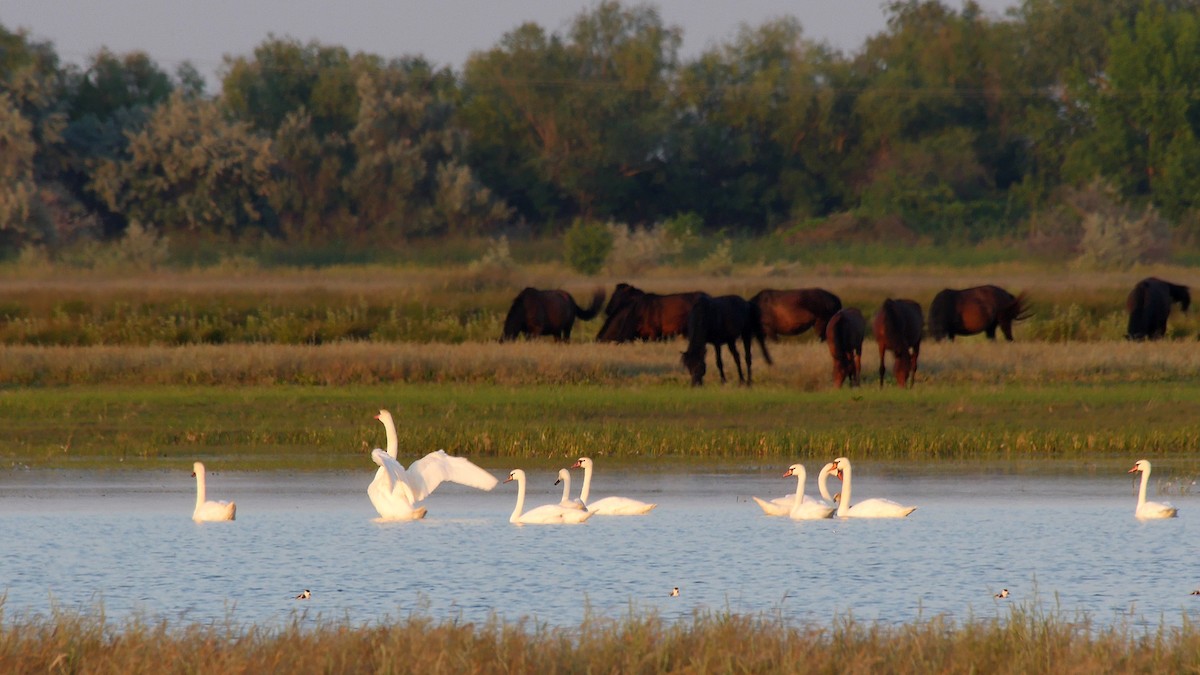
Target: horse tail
622, 326
893, 328
760, 334
1018, 310
593, 309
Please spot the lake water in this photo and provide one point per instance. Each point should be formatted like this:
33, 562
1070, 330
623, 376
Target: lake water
125, 542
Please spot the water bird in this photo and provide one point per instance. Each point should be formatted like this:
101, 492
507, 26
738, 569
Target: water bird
675, 592
1196, 592
609, 506
1146, 510
542, 515
305, 595
782, 506
209, 510
1002, 594
564, 477
868, 508
394, 491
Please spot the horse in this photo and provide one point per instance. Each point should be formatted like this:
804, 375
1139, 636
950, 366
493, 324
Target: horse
844, 335
1149, 305
795, 311
722, 320
897, 326
535, 313
975, 310
634, 314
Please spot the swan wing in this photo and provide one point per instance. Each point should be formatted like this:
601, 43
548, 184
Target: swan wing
394, 480
550, 513
619, 506
880, 508
433, 469
780, 506
1156, 510
214, 510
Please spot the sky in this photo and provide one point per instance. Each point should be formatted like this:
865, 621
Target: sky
444, 31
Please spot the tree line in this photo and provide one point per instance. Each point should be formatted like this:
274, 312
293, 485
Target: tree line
952, 124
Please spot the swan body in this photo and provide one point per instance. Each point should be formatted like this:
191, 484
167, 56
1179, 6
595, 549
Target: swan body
609, 506
812, 509
1147, 510
868, 508
782, 506
564, 477
209, 510
542, 515
395, 491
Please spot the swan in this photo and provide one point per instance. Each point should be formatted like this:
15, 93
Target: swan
782, 506
1147, 509
802, 508
394, 492
868, 508
207, 510
542, 515
609, 506
564, 477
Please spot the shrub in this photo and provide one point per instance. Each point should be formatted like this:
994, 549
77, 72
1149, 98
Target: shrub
636, 250
588, 245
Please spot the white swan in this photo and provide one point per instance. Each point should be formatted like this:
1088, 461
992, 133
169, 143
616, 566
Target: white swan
1147, 509
394, 492
609, 506
802, 508
782, 506
542, 515
564, 477
868, 508
206, 510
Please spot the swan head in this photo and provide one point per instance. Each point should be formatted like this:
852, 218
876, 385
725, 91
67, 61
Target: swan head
840, 465
197, 469
1140, 465
563, 475
582, 463
794, 470
517, 475
384, 416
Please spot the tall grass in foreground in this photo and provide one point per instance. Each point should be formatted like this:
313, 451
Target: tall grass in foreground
1024, 641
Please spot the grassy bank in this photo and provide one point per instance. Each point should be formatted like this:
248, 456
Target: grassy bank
305, 427
1023, 641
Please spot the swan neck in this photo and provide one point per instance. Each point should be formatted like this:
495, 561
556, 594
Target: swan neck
566, 481
844, 504
587, 483
393, 443
1142, 489
200, 491
823, 485
516, 514
800, 476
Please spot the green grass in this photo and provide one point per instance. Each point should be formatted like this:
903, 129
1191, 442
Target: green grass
1020, 640
296, 427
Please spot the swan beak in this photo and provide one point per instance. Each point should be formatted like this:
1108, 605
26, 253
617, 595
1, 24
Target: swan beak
1133, 470
787, 473
508, 480
575, 465
193, 474
558, 481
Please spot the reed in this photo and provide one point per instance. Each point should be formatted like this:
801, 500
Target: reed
1022, 640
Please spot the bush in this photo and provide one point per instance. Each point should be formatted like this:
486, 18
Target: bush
634, 251
588, 245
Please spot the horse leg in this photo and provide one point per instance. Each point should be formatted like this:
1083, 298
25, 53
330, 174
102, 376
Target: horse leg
990, 331
882, 370
720, 364
1006, 328
737, 359
856, 378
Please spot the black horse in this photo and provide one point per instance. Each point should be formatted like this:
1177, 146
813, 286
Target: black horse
844, 335
1149, 305
535, 313
634, 314
722, 320
981, 309
898, 325
794, 311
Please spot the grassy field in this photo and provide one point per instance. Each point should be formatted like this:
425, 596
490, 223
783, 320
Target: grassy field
1023, 641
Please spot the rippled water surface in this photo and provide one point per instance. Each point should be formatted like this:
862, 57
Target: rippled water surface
125, 541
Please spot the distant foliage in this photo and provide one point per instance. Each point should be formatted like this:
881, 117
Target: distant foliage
1116, 235
636, 250
495, 268
588, 245
719, 263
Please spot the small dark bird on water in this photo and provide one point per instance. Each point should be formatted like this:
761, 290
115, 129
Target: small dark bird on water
1002, 594
305, 595
675, 592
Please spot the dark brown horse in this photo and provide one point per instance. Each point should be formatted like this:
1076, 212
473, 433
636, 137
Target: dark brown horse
898, 325
844, 335
795, 311
975, 310
722, 320
634, 314
536, 313
1149, 305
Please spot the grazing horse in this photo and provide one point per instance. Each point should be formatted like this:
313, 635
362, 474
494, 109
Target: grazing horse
1149, 305
975, 310
634, 314
795, 311
844, 335
535, 313
722, 320
897, 326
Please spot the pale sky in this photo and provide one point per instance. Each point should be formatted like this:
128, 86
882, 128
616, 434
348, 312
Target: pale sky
445, 31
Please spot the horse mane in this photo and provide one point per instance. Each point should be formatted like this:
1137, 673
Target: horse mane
1180, 294
622, 325
514, 322
697, 331
941, 313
